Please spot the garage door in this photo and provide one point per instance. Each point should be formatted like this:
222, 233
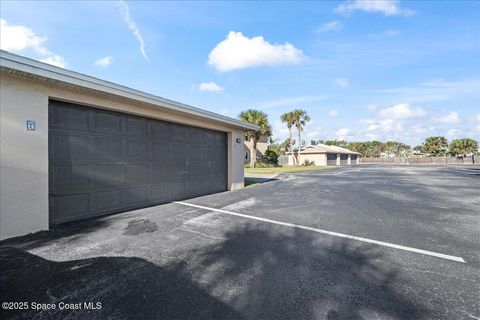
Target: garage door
104, 162
354, 159
344, 159
331, 159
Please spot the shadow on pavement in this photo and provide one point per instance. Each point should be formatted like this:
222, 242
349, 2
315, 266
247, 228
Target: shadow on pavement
256, 272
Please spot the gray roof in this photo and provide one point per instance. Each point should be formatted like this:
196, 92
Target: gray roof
323, 148
16, 64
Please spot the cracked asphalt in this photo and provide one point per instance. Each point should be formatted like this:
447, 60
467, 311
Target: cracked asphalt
179, 262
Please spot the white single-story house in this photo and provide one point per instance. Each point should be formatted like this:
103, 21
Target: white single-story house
323, 155
74, 146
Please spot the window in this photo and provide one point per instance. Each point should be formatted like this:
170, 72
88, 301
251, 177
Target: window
247, 155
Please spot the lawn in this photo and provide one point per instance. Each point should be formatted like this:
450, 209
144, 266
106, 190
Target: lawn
286, 169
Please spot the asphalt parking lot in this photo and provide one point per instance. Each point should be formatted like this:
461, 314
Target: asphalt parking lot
366, 242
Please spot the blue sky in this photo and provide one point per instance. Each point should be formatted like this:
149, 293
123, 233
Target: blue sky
362, 69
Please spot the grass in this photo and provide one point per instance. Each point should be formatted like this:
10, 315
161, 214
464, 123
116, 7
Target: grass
285, 169
249, 183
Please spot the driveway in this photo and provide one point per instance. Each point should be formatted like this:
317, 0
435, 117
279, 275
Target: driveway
367, 242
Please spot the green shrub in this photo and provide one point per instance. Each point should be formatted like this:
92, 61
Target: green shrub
308, 163
270, 156
265, 164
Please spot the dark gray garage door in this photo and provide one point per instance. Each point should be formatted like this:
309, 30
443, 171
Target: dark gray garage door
105, 162
344, 159
331, 159
354, 159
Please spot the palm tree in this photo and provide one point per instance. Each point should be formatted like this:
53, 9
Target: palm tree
436, 146
463, 147
288, 118
260, 119
300, 119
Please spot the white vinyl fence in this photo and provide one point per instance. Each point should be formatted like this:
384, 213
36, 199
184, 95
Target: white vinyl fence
421, 160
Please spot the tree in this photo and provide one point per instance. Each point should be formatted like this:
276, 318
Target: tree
260, 119
338, 143
396, 148
300, 119
280, 148
436, 146
462, 147
289, 119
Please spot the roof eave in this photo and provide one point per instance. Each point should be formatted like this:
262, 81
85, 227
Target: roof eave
40, 69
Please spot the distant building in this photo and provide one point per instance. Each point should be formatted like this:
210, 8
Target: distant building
323, 155
262, 146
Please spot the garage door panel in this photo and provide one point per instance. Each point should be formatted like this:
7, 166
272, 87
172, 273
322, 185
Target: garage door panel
159, 193
71, 177
137, 196
137, 149
178, 189
178, 132
107, 122
160, 151
71, 206
137, 174
108, 148
158, 130
65, 116
107, 175
108, 200
354, 159
109, 162
162, 172
194, 161
136, 127
331, 159
71, 147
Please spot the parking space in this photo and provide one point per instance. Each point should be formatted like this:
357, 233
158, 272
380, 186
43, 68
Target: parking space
370, 242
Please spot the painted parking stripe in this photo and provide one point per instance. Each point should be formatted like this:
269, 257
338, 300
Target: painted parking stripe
331, 233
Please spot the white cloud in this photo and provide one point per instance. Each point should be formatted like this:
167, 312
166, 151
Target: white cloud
371, 136
450, 118
477, 117
238, 52
372, 107
333, 113
385, 125
210, 87
387, 7
330, 26
402, 111
55, 60
341, 82
453, 133
280, 130
17, 38
132, 25
343, 134
104, 62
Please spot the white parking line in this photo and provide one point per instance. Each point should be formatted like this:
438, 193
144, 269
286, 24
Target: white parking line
331, 233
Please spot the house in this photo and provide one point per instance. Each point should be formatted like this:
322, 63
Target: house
323, 155
74, 146
262, 146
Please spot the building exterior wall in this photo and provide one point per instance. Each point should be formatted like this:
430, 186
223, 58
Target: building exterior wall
262, 146
320, 159
24, 154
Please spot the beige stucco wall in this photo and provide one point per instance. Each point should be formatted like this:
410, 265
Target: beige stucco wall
262, 146
24, 154
320, 159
